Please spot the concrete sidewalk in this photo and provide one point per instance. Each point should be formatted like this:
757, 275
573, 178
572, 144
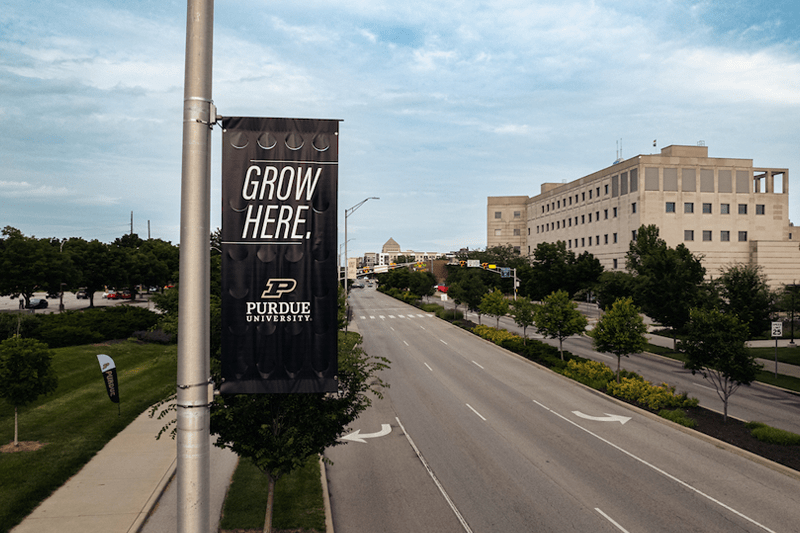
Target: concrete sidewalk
118, 488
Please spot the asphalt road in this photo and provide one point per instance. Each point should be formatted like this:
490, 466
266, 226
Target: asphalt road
756, 402
481, 440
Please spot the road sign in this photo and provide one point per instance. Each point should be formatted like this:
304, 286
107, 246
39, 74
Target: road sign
777, 329
473, 263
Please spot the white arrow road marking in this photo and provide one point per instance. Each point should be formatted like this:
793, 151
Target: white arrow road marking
357, 437
607, 418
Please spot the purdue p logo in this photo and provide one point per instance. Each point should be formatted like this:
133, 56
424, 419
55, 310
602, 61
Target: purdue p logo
278, 287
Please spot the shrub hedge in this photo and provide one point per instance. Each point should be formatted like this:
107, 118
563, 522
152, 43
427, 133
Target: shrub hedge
73, 328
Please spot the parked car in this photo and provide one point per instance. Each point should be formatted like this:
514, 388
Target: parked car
37, 303
81, 294
125, 294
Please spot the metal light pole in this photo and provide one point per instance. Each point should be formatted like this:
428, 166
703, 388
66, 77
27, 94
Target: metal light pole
193, 418
347, 213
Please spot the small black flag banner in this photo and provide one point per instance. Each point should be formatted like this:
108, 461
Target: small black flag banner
109, 370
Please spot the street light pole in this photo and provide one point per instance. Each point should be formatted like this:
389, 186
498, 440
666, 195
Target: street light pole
347, 213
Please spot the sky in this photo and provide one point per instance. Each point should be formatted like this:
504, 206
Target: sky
442, 104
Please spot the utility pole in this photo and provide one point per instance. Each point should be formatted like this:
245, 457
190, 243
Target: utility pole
193, 418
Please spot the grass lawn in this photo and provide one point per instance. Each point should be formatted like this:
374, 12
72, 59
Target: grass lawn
78, 419
298, 499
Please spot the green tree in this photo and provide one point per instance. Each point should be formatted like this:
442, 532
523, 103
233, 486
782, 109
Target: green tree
29, 264
715, 347
669, 281
25, 374
558, 318
612, 286
522, 309
494, 304
550, 269
620, 331
94, 263
745, 293
278, 432
421, 283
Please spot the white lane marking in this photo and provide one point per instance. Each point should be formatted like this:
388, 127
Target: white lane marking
440, 340
662, 472
479, 366
362, 317
372, 317
382, 317
429, 368
434, 478
404, 342
611, 520
476, 412
391, 316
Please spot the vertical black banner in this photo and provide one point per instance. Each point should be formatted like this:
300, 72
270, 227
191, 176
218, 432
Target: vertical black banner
279, 271
109, 370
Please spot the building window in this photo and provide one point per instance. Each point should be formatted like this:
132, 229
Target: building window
606, 190
516, 232
570, 200
583, 242
590, 218
597, 240
598, 192
590, 239
498, 214
590, 194
615, 212
707, 208
570, 221
670, 207
724, 209
583, 196
633, 207
688, 235
688, 207
615, 261
517, 214
583, 219
615, 238
498, 232
605, 214
605, 238
742, 210
633, 235
760, 209
570, 243
742, 236
706, 235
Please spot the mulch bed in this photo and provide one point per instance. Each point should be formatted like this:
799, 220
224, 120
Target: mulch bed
735, 433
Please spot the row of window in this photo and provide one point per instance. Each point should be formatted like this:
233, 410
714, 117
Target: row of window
724, 209
499, 215
568, 222
556, 204
724, 235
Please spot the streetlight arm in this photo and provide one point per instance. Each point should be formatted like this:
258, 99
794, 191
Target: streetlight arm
348, 212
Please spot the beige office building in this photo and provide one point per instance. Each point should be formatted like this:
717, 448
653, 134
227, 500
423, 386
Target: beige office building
725, 210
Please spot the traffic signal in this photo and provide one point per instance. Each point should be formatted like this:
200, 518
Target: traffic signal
484, 265
462, 263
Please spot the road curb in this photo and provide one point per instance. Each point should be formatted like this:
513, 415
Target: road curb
155, 497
